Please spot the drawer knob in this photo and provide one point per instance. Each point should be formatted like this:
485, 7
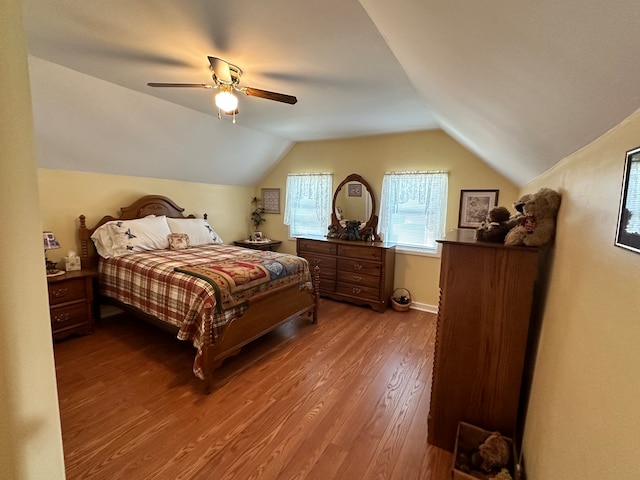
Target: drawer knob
357, 266
357, 290
357, 278
63, 317
60, 292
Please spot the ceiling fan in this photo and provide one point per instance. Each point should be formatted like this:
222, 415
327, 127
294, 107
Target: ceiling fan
226, 78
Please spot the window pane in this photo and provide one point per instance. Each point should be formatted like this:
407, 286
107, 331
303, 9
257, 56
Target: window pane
308, 204
413, 208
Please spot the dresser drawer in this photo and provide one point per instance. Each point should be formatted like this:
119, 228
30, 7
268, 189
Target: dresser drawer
357, 266
68, 316
327, 285
317, 246
327, 264
359, 291
66, 291
358, 279
360, 251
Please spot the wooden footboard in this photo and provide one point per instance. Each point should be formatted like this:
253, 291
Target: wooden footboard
265, 313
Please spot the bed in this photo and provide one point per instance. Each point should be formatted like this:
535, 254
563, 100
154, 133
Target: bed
186, 281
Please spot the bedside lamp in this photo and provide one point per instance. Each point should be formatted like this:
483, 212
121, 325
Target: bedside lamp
50, 243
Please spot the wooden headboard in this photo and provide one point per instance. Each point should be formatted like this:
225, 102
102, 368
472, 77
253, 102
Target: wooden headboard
147, 205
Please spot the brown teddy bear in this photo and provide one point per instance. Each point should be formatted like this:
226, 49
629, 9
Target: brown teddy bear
538, 223
351, 230
496, 227
516, 218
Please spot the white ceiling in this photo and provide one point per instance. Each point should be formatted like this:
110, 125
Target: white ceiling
521, 84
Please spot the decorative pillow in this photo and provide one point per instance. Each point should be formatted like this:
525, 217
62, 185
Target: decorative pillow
199, 231
178, 241
120, 237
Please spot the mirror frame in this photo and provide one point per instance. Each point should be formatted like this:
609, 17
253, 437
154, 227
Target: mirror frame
372, 222
624, 239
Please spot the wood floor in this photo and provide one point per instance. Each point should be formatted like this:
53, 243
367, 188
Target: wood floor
345, 399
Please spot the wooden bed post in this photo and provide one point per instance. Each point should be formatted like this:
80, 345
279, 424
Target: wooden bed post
206, 351
316, 292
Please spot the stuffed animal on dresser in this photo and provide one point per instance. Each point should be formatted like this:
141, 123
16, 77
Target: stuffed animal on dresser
496, 227
351, 230
538, 223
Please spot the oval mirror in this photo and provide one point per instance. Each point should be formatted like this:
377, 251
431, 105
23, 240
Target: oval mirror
354, 202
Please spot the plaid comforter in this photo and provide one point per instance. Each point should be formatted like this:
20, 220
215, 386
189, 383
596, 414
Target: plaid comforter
187, 288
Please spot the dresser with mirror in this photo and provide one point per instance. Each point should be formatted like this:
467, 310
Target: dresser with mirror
354, 267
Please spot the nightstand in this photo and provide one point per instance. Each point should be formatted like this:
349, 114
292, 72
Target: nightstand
71, 303
271, 245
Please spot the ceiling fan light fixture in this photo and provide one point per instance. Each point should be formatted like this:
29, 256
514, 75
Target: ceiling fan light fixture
226, 101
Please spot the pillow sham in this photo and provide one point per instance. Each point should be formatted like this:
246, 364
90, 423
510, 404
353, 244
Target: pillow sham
198, 229
120, 237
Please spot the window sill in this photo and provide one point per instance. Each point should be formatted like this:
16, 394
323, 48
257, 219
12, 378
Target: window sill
418, 251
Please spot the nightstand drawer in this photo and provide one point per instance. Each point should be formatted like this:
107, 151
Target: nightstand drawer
66, 291
69, 316
71, 303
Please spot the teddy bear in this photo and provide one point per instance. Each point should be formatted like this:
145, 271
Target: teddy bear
538, 223
492, 455
496, 227
368, 235
333, 231
518, 205
351, 230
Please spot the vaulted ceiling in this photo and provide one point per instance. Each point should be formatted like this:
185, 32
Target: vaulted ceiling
521, 84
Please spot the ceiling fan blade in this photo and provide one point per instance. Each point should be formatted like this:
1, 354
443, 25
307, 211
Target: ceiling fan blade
278, 97
182, 85
221, 69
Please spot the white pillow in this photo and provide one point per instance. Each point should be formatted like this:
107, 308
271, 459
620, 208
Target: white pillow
120, 237
199, 231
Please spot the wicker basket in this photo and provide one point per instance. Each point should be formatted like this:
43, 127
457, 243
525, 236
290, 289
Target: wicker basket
398, 303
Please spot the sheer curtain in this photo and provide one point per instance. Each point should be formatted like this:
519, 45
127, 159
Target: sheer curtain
413, 208
308, 203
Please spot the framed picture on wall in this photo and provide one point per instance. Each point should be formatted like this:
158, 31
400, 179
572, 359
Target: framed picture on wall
475, 206
628, 230
271, 200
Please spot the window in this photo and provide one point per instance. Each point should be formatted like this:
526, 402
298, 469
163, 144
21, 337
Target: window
413, 209
307, 208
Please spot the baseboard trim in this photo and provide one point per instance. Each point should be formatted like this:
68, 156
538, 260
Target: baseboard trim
424, 307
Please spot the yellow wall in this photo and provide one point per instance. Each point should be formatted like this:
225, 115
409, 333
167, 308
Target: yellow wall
371, 157
65, 195
583, 419
30, 438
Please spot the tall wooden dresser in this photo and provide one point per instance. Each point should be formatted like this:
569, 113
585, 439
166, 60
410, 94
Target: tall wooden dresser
486, 294
356, 272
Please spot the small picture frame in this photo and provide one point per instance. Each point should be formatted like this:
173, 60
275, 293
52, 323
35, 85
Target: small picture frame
257, 236
355, 189
271, 200
475, 206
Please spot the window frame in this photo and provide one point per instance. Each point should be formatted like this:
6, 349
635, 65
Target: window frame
439, 189
324, 180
